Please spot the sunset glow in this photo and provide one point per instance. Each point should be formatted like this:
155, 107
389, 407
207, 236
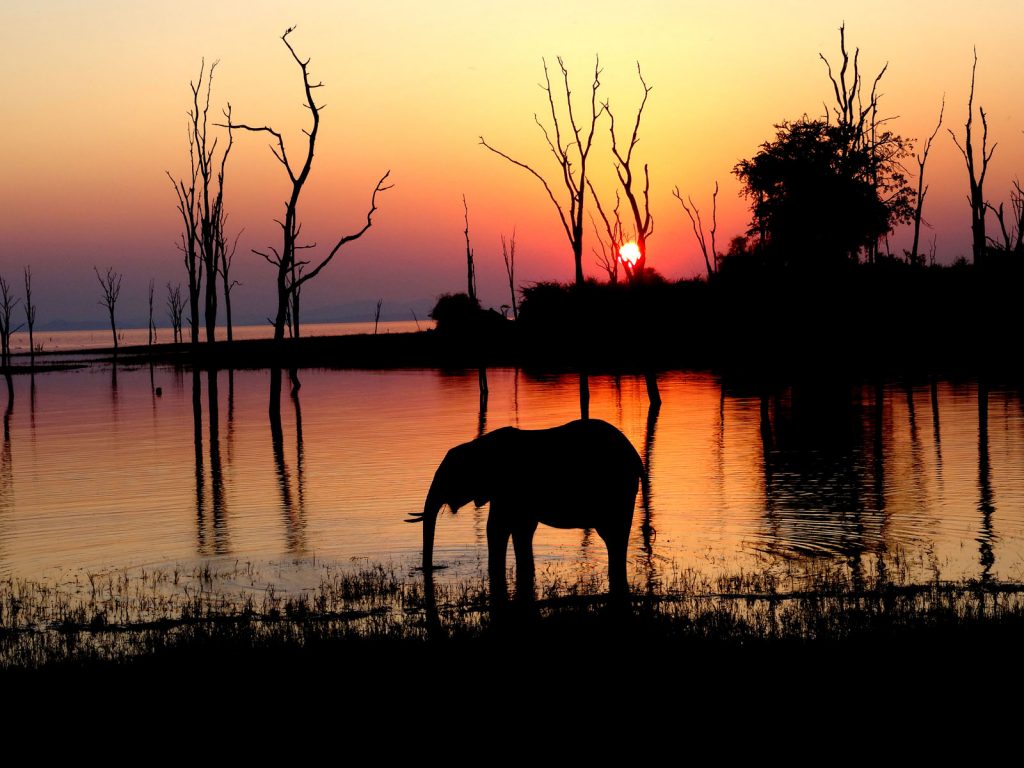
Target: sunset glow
86, 183
629, 254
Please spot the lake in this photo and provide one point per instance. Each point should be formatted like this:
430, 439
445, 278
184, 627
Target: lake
99, 472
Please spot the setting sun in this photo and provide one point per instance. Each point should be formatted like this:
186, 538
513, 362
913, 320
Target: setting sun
629, 254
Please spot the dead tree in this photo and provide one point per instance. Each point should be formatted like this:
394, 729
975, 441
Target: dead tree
7, 304
922, 188
1013, 235
376, 316
290, 277
110, 285
175, 308
508, 253
710, 255
470, 266
608, 258
30, 315
152, 325
571, 153
979, 242
643, 222
227, 256
201, 205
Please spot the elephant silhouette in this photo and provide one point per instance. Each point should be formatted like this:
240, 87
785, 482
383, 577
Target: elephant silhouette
584, 474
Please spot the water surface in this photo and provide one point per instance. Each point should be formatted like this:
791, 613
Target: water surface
98, 472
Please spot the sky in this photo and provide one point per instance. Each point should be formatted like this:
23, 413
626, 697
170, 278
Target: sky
95, 98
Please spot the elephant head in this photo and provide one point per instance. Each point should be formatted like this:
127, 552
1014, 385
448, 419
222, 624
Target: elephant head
461, 477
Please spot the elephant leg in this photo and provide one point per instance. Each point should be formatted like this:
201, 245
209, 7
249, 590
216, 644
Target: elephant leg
497, 546
522, 541
617, 542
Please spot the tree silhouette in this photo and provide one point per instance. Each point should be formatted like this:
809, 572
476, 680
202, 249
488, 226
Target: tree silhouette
110, 284
710, 253
815, 199
922, 188
201, 205
570, 148
30, 315
979, 207
291, 272
175, 307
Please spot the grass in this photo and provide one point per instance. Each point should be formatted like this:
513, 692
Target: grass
160, 618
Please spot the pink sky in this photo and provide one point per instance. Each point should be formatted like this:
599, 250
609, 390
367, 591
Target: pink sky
95, 99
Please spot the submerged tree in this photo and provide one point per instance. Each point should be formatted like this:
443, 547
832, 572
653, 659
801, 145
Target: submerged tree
201, 205
175, 308
570, 145
7, 304
291, 272
110, 285
508, 253
30, 315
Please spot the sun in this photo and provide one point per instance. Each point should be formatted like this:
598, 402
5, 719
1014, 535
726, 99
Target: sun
629, 254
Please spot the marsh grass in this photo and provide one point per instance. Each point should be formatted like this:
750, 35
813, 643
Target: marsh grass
123, 616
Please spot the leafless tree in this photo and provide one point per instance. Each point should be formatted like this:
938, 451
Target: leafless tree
30, 315
110, 284
979, 206
470, 266
227, 256
175, 308
710, 255
376, 317
152, 326
570, 152
608, 255
922, 188
1013, 235
7, 304
290, 275
643, 222
508, 253
201, 205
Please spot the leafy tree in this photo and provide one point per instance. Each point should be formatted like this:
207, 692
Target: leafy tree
820, 195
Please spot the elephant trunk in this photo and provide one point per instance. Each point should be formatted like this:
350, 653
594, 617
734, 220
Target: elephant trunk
431, 509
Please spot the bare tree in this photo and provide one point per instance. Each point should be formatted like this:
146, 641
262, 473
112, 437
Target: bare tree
175, 307
290, 275
508, 253
922, 188
979, 242
110, 284
7, 304
227, 256
30, 315
1013, 235
608, 258
152, 326
470, 266
201, 204
643, 222
571, 155
376, 316
710, 255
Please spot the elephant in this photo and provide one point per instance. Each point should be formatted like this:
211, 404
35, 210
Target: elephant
583, 474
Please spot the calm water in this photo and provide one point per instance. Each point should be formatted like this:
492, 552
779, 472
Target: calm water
99, 473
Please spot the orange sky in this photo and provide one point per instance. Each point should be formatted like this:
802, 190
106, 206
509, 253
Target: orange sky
95, 97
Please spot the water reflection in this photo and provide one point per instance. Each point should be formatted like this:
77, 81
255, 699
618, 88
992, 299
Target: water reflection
986, 505
824, 482
741, 474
